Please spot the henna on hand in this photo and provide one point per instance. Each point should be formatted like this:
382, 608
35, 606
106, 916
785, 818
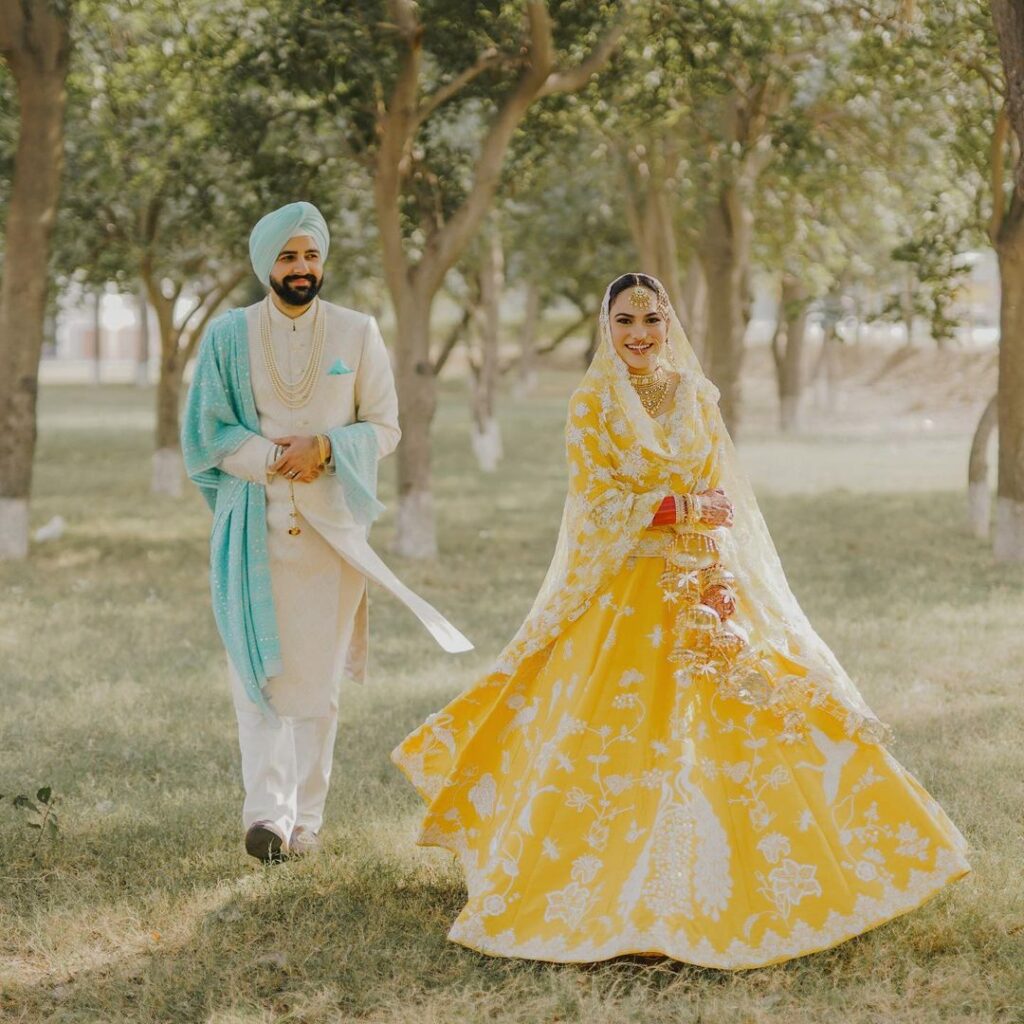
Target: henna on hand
722, 599
716, 508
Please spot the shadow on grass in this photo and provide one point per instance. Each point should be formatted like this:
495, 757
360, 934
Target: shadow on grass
349, 938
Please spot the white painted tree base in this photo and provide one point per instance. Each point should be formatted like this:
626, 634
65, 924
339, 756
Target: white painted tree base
415, 534
790, 414
1008, 543
13, 529
168, 472
487, 445
979, 509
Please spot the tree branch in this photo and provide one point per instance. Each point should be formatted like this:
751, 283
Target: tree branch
565, 333
576, 78
395, 125
453, 339
983, 72
216, 297
444, 93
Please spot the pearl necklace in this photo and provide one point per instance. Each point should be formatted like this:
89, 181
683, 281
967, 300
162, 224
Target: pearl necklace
650, 388
294, 394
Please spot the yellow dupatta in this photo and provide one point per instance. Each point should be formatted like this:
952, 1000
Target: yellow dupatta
622, 464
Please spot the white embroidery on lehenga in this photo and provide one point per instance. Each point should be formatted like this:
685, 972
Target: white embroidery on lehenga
836, 755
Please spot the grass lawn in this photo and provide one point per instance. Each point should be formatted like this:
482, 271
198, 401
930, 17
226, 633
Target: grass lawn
113, 689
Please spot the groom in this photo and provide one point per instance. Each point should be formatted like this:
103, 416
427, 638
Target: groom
292, 403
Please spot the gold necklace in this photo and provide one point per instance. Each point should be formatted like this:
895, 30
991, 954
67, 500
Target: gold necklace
294, 394
650, 388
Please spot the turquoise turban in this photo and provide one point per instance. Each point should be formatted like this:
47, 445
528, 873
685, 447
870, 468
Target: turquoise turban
271, 233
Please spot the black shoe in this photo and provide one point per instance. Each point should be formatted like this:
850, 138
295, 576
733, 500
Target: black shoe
263, 843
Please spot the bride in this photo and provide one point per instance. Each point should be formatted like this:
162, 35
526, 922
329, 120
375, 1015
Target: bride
667, 759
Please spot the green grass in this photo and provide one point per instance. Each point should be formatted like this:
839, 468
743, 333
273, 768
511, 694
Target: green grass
113, 691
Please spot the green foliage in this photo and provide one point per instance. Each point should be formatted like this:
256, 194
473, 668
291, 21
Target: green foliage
334, 66
565, 231
943, 77
169, 164
148, 178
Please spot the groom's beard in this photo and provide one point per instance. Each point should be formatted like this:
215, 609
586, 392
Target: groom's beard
297, 289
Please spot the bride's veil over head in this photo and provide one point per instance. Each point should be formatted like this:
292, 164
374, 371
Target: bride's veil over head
622, 462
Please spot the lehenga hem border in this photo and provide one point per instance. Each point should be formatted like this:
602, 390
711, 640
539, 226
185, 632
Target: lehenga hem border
868, 914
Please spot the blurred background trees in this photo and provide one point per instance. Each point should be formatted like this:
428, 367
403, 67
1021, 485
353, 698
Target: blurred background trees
822, 167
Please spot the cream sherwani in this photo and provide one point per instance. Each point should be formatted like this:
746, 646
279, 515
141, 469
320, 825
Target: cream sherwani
318, 578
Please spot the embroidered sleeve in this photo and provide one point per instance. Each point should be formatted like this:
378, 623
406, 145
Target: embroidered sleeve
608, 488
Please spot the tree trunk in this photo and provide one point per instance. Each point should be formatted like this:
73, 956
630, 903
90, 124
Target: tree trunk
979, 494
647, 187
97, 337
595, 340
827, 371
177, 343
168, 469
168, 465
415, 531
725, 254
907, 308
1008, 541
789, 353
35, 42
695, 293
142, 354
414, 282
486, 433
526, 377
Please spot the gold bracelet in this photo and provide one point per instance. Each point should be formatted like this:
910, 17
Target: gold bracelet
696, 509
682, 508
323, 448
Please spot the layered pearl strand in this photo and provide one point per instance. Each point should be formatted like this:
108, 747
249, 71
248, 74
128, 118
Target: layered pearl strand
294, 394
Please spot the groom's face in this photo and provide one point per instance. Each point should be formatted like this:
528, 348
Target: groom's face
298, 273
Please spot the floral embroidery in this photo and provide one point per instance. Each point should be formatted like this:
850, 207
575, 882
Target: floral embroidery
773, 846
637, 776
568, 904
789, 883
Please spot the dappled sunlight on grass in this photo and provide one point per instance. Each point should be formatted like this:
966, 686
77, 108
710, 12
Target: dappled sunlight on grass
146, 909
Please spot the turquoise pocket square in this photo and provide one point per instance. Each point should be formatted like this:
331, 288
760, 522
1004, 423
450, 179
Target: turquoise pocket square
338, 367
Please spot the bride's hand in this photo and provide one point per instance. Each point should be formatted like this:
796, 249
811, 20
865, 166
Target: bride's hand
715, 508
722, 599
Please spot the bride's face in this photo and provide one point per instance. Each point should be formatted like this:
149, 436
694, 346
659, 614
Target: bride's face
638, 331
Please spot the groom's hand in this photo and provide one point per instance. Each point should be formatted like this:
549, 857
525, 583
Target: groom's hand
301, 459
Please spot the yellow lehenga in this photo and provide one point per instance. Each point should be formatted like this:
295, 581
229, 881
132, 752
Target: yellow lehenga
637, 776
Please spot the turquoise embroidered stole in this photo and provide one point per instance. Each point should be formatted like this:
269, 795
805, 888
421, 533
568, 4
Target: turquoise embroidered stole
220, 415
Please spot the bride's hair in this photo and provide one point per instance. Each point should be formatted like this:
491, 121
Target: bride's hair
620, 284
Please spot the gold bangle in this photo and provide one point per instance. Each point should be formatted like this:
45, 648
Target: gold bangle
323, 448
682, 508
696, 509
